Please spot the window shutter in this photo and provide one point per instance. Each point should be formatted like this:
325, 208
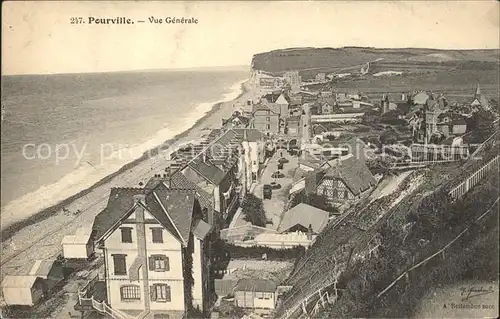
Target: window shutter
153, 292
120, 265
167, 295
167, 263
151, 263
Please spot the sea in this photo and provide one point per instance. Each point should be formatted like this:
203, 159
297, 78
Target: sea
60, 131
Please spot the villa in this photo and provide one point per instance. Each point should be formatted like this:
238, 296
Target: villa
148, 237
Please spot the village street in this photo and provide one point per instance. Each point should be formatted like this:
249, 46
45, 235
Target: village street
274, 206
304, 123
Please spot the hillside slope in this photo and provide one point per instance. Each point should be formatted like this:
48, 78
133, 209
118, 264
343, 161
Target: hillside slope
364, 252
331, 60
472, 258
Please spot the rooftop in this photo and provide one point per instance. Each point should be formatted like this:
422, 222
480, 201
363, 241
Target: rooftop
257, 285
173, 208
19, 281
304, 215
353, 172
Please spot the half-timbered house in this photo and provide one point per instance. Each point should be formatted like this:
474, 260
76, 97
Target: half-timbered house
345, 180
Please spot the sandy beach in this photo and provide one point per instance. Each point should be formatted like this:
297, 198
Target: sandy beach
40, 236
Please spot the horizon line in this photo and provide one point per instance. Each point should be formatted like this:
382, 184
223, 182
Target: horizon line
258, 53
135, 70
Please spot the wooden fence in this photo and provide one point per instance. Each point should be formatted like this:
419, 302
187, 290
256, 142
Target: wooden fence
439, 252
314, 285
473, 179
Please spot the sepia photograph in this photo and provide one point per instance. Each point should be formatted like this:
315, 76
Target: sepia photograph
250, 159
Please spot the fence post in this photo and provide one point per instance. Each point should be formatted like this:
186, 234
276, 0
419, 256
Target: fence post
304, 310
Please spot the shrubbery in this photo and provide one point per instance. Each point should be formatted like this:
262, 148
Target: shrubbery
389, 137
437, 220
253, 209
256, 252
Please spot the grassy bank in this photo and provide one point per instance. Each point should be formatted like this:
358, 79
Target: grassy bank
429, 227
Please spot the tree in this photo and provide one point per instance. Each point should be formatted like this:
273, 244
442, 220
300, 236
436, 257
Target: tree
321, 202
389, 137
253, 208
483, 120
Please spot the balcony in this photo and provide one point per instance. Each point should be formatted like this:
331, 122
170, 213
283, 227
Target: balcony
91, 294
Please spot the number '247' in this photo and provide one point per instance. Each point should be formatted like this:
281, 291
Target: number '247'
76, 20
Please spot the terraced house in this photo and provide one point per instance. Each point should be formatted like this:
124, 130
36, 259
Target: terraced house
156, 247
225, 166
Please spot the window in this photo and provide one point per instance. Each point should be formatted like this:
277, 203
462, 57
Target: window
346, 194
120, 264
268, 119
161, 292
157, 235
130, 292
268, 126
126, 234
159, 263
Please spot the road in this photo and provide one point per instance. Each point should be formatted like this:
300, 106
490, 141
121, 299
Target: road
305, 126
274, 206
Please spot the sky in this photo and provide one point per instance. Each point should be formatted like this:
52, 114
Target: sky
37, 37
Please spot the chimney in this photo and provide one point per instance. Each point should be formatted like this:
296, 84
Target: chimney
139, 198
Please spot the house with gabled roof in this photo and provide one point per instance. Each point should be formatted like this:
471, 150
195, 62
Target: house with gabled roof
255, 293
237, 120
304, 218
327, 106
265, 119
28, 289
479, 100
226, 167
345, 180
156, 246
451, 124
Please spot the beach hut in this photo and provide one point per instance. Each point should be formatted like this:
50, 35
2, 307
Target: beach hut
255, 293
22, 290
78, 246
51, 271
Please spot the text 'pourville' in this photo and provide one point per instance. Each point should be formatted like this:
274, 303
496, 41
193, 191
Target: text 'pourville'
125, 20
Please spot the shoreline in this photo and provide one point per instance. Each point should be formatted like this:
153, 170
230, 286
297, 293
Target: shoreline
48, 212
